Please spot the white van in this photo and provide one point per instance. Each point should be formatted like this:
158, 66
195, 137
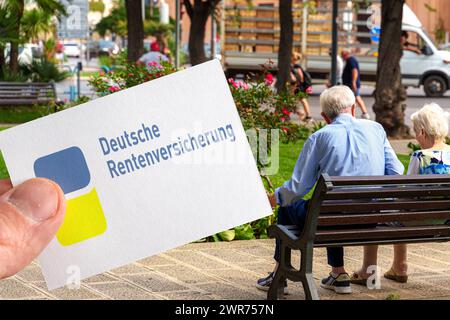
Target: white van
431, 68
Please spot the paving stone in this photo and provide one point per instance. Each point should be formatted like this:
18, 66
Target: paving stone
100, 278
188, 295
225, 291
31, 273
156, 261
230, 255
184, 274
123, 291
129, 269
70, 294
155, 283
195, 259
12, 289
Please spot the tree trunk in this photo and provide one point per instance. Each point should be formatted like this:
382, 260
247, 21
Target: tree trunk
135, 28
199, 16
390, 95
2, 60
14, 52
285, 46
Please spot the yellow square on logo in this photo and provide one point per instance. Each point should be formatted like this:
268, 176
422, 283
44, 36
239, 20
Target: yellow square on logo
84, 219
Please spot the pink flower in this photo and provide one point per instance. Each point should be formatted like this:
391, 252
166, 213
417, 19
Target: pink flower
236, 85
284, 129
283, 119
269, 79
231, 80
152, 64
308, 90
113, 89
244, 86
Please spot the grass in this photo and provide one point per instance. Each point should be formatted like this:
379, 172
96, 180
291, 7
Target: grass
21, 114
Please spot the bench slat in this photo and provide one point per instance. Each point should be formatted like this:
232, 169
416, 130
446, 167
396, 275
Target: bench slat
382, 233
385, 205
389, 180
366, 193
348, 219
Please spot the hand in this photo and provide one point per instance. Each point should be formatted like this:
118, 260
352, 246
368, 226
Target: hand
30, 216
272, 200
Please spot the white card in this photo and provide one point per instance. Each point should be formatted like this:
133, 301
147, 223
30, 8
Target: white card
144, 170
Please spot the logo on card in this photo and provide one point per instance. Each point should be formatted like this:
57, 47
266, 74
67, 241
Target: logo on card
84, 214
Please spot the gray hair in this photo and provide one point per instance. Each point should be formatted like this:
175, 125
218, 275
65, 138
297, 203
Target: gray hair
335, 100
432, 119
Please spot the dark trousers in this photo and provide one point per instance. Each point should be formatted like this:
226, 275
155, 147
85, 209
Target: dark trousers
296, 214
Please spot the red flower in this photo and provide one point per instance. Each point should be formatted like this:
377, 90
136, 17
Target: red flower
269, 79
285, 111
284, 129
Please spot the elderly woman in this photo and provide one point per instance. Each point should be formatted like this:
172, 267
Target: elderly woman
431, 128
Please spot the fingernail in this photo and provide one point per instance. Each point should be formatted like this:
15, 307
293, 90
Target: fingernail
37, 199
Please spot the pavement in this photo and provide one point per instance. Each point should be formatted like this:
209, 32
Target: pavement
228, 270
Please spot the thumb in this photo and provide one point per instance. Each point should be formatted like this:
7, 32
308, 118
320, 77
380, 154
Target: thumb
30, 215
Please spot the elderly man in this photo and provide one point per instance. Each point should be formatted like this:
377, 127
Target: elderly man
345, 147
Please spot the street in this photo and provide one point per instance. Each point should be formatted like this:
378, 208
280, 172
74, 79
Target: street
416, 97
416, 100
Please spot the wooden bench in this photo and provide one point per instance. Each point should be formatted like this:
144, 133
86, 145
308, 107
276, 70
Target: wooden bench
27, 93
351, 211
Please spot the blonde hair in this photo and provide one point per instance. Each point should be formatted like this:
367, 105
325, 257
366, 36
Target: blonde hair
296, 56
432, 119
335, 100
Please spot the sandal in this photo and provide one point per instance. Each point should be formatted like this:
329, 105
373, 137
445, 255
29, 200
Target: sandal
356, 279
391, 275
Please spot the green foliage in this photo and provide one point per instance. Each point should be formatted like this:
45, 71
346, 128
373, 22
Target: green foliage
7, 75
105, 61
244, 232
393, 296
227, 235
115, 22
129, 75
21, 114
35, 22
96, 6
43, 70
440, 31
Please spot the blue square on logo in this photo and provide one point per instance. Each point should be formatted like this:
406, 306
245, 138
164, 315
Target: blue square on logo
67, 167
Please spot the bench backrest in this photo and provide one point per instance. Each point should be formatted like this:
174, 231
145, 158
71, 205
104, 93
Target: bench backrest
346, 210
20, 93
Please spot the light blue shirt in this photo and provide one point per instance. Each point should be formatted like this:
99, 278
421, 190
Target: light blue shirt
346, 147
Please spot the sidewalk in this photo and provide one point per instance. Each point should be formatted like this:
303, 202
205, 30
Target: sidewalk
228, 270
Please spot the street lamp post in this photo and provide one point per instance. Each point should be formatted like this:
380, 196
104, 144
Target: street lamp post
177, 33
334, 43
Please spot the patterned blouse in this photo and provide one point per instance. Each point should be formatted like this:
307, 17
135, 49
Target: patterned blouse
430, 162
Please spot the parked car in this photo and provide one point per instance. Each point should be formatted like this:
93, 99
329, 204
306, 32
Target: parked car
72, 49
108, 48
93, 48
